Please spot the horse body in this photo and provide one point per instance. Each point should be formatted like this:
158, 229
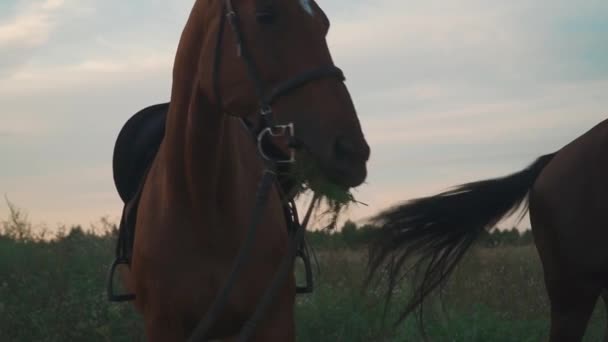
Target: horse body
566, 193
576, 179
200, 190
569, 219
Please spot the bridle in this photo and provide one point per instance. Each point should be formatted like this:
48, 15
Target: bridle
266, 96
267, 127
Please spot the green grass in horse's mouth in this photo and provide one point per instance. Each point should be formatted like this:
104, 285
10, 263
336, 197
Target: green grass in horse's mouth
308, 176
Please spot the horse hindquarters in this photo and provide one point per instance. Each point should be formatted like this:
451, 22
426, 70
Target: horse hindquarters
572, 297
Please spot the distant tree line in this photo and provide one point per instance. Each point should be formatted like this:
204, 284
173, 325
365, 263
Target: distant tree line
350, 235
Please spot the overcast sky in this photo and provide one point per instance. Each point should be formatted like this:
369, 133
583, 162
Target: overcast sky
447, 91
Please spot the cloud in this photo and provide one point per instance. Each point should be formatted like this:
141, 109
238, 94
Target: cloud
559, 107
31, 26
447, 92
22, 127
84, 50
503, 45
93, 72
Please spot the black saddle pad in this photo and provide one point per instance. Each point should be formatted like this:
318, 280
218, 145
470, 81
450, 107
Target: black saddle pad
136, 147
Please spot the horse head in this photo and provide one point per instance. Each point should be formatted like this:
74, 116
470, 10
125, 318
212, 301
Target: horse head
271, 66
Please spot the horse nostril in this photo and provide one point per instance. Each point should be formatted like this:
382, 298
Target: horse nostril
347, 151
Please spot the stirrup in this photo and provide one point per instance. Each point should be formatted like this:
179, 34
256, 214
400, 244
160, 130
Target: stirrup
308, 288
110, 288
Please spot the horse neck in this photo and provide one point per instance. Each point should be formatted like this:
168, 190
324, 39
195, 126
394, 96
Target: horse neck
207, 154
211, 153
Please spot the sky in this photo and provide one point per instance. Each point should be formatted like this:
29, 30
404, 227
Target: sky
447, 91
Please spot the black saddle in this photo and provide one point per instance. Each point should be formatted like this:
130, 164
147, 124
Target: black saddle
136, 147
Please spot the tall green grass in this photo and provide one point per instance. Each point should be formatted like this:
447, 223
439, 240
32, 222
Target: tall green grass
495, 294
54, 290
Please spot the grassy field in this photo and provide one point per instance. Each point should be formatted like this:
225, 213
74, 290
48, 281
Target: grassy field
54, 291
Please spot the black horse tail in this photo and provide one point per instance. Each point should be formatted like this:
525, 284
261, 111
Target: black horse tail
436, 231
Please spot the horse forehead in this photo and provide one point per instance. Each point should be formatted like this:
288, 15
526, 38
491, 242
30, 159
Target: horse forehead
307, 6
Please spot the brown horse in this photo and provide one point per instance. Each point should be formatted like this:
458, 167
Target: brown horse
567, 197
237, 63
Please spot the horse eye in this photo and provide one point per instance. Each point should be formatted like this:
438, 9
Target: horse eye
266, 16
